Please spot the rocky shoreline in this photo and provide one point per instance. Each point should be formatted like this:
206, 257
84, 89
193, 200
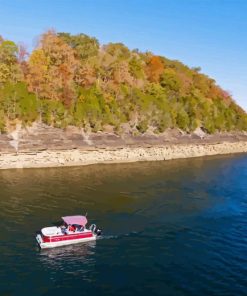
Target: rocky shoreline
43, 146
78, 157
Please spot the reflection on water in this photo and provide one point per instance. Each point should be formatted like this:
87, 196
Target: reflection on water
70, 259
169, 228
75, 252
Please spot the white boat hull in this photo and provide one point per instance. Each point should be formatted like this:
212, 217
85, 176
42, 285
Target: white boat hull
47, 245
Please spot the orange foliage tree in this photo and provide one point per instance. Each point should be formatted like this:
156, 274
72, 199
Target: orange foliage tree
52, 67
154, 69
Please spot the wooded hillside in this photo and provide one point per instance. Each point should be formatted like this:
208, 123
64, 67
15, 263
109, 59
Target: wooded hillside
73, 80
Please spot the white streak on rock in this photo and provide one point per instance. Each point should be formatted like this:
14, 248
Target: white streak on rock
86, 138
16, 138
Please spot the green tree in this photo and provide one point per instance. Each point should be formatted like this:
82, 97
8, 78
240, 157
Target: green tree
10, 70
84, 46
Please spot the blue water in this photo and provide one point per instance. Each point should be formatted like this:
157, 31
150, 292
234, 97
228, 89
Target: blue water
170, 228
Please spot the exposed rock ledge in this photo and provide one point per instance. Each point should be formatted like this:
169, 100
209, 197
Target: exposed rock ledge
76, 157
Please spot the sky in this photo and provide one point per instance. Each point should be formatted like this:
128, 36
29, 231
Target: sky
211, 34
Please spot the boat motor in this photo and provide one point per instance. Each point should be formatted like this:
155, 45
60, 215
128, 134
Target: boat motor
95, 230
98, 231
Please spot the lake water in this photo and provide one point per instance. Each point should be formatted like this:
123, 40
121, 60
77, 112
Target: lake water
170, 228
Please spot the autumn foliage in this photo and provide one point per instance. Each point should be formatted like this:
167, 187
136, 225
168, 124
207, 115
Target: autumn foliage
73, 80
154, 68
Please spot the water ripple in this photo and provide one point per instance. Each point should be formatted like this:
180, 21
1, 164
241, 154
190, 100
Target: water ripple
169, 228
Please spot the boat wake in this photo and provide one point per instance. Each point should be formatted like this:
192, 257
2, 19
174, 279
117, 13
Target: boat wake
117, 236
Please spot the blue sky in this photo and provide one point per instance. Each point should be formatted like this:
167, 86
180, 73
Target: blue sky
211, 34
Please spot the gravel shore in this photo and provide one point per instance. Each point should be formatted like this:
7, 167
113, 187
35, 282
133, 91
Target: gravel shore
78, 157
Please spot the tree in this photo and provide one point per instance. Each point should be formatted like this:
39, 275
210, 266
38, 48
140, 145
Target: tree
117, 50
154, 68
121, 73
17, 102
84, 46
52, 69
136, 68
9, 67
170, 80
85, 51
70, 79
183, 120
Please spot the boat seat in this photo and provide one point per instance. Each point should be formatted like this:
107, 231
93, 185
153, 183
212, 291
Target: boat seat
50, 231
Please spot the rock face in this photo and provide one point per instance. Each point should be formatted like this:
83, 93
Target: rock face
199, 133
41, 137
44, 146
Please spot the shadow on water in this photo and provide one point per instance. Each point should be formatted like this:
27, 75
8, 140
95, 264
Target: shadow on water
169, 228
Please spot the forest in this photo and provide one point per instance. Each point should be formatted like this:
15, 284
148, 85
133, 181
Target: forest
73, 80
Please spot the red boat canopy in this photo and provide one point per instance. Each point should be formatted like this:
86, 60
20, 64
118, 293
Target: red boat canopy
78, 220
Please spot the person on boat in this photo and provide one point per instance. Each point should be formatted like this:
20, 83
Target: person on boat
63, 229
72, 228
80, 228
